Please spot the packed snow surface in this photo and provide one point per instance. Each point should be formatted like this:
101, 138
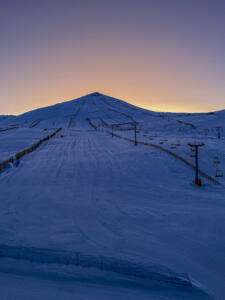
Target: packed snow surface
86, 191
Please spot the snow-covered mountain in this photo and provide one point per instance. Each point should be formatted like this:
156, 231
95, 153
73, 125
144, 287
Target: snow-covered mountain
6, 118
90, 190
97, 106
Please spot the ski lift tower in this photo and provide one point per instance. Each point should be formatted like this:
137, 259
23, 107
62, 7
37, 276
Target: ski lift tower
133, 124
219, 172
195, 147
218, 128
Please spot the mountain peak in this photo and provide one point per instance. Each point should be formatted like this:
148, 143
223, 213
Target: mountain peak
95, 94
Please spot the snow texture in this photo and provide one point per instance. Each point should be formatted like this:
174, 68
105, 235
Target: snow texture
84, 191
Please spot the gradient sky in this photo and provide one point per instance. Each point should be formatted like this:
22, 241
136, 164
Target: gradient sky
166, 55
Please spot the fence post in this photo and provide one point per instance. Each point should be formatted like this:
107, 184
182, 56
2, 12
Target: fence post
101, 263
189, 279
19, 253
135, 135
32, 254
77, 258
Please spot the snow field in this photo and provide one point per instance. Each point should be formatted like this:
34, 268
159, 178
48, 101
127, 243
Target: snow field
87, 192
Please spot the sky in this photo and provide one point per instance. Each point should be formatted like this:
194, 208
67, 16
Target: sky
164, 55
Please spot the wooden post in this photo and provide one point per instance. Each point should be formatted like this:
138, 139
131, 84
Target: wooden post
77, 259
135, 134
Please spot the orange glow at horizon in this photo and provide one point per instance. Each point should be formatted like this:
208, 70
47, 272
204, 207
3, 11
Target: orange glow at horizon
137, 102
58, 75
147, 54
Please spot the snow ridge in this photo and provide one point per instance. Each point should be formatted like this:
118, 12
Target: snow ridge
117, 265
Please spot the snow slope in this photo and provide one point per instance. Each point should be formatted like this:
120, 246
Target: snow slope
86, 191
